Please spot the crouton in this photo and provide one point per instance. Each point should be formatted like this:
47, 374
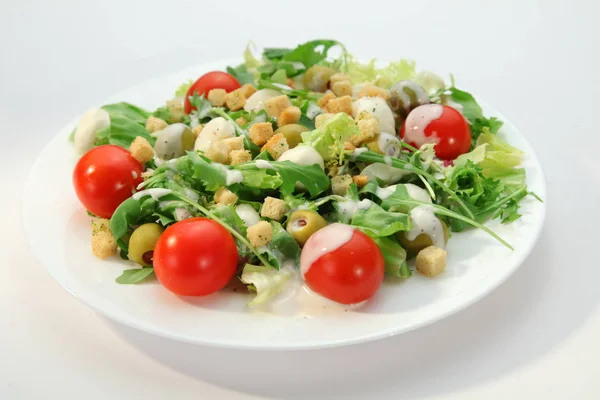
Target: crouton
176, 112
197, 129
349, 146
141, 150
260, 234
273, 208
103, 242
338, 77
225, 196
290, 115
325, 99
217, 97
431, 261
218, 152
360, 180
241, 121
364, 115
261, 132
154, 124
276, 105
340, 104
342, 88
234, 143
276, 146
247, 90
235, 100
239, 157
340, 184
369, 128
374, 91
322, 118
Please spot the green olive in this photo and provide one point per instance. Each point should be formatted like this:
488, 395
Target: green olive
292, 133
317, 77
406, 96
303, 223
142, 242
188, 139
413, 247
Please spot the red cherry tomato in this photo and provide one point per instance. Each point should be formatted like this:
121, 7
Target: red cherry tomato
207, 82
195, 257
349, 273
434, 123
105, 177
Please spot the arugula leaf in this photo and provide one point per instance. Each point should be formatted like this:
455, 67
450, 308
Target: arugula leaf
212, 175
266, 282
282, 247
260, 179
470, 108
264, 84
136, 275
121, 132
124, 216
203, 107
310, 176
128, 111
274, 53
377, 222
228, 215
310, 53
394, 257
481, 125
241, 74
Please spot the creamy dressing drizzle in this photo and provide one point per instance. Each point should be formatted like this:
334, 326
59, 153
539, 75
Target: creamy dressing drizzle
248, 214
418, 120
155, 193
348, 208
181, 214
231, 175
326, 240
357, 152
263, 164
389, 144
425, 222
313, 110
384, 193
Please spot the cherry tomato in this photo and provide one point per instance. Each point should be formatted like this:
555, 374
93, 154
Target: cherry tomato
105, 177
435, 123
342, 264
195, 257
207, 82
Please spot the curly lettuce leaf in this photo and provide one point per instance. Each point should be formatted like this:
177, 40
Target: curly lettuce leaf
266, 282
384, 77
330, 137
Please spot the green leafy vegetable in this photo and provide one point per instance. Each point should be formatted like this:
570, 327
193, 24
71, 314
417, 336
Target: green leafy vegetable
281, 247
394, 257
309, 53
311, 177
242, 74
377, 222
330, 137
384, 77
183, 88
128, 111
136, 275
267, 282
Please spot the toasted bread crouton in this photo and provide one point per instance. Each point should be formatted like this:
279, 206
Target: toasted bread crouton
154, 124
340, 184
141, 150
218, 152
322, 118
100, 225
247, 90
374, 91
340, 104
239, 157
217, 97
349, 146
225, 196
290, 115
342, 88
234, 143
276, 105
364, 115
360, 180
325, 99
260, 234
176, 112
338, 77
235, 100
276, 146
103, 242
241, 121
261, 132
431, 261
369, 128
273, 208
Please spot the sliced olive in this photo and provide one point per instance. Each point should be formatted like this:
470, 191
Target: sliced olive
303, 223
413, 247
406, 96
317, 77
142, 243
292, 133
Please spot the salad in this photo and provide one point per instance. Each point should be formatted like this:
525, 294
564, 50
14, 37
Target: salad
299, 162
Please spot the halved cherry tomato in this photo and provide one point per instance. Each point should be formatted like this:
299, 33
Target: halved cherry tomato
105, 177
206, 83
342, 263
443, 125
195, 257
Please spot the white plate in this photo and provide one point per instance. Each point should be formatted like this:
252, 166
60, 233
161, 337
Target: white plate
58, 231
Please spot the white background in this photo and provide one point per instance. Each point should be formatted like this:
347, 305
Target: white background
536, 336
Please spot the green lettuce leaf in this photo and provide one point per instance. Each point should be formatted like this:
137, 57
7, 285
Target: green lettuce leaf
377, 222
330, 137
384, 77
394, 257
136, 275
282, 247
183, 88
266, 282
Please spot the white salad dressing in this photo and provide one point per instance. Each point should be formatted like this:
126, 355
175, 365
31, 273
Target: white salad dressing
169, 142
430, 81
357, 152
231, 175
303, 155
155, 193
91, 122
384, 172
181, 214
263, 164
248, 214
417, 193
377, 107
256, 102
348, 208
418, 120
313, 110
389, 144
424, 221
324, 241
218, 128
399, 92
384, 193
